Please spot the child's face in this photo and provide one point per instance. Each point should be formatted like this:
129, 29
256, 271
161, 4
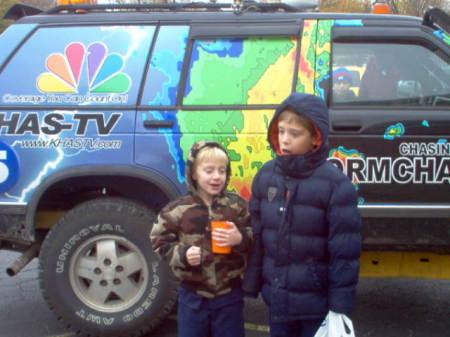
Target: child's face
210, 177
341, 86
294, 138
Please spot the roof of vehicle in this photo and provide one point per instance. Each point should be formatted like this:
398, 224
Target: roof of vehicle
211, 13
176, 13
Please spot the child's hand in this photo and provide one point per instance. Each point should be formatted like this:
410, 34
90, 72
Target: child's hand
193, 255
227, 237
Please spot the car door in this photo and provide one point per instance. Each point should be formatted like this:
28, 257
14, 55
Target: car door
392, 136
232, 77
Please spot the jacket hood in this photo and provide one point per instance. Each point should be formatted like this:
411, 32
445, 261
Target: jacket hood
315, 109
193, 155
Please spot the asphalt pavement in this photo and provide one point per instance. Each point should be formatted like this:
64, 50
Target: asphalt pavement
385, 308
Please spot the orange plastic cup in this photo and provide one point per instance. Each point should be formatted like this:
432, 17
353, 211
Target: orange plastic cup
220, 249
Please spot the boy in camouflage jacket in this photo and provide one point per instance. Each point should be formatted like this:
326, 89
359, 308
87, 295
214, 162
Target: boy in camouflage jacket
210, 297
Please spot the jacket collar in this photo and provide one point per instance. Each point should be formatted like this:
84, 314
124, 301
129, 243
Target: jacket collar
302, 166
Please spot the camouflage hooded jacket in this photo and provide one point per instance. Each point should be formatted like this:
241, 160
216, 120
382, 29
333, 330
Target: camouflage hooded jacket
185, 222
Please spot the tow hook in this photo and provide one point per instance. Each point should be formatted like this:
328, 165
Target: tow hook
23, 259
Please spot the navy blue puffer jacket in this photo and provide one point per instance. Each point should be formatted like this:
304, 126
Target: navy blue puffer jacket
307, 228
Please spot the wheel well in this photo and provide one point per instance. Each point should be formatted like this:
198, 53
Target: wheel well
64, 195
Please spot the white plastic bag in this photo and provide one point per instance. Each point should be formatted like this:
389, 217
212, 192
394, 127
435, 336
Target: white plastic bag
335, 325
323, 329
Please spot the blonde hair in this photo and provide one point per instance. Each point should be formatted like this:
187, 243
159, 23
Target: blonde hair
210, 153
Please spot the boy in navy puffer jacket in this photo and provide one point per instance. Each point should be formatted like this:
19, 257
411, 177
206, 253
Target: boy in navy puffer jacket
306, 224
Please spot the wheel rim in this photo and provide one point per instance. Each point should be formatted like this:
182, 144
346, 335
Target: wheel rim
108, 273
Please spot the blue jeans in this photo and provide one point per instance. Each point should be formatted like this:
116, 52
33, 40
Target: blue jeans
301, 328
199, 316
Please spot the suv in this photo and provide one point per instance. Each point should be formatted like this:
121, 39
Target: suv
100, 104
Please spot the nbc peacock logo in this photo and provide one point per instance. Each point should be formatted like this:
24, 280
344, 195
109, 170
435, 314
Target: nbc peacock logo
104, 70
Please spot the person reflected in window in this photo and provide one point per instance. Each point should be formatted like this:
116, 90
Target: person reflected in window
342, 81
380, 79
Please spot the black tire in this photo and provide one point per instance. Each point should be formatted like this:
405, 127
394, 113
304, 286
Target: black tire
99, 274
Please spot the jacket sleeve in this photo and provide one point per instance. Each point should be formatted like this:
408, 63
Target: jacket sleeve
243, 225
165, 241
252, 282
344, 247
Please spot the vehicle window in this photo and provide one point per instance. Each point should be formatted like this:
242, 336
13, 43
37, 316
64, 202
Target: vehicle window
95, 65
394, 74
240, 71
11, 37
165, 66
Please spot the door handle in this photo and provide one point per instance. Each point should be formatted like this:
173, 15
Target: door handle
347, 126
155, 124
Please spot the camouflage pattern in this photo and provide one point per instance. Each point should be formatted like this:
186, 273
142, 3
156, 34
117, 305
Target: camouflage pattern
185, 222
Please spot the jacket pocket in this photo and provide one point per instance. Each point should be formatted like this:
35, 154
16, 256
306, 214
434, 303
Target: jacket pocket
319, 274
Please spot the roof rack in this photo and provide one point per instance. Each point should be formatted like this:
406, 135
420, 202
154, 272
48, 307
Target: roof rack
19, 10
437, 17
178, 7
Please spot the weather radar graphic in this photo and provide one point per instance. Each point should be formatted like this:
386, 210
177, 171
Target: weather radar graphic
104, 70
394, 131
